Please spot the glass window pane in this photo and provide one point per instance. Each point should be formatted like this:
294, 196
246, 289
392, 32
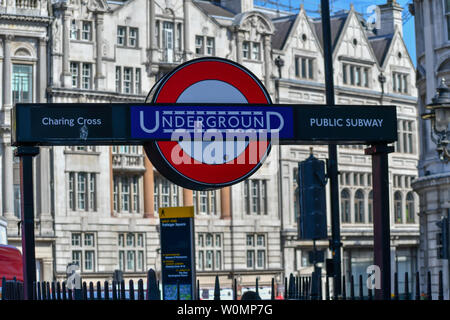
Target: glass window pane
22, 86
81, 190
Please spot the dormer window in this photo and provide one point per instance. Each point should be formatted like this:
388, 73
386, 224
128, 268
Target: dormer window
304, 67
251, 50
399, 82
355, 75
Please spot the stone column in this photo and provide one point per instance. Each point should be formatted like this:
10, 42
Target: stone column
186, 35
225, 203
239, 40
42, 84
7, 73
66, 75
188, 197
8, 190
99, 77
111, 181
7, 165
149, 189
267, 62
43, 190
152, 38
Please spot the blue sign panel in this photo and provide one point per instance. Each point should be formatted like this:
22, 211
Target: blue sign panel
163, 122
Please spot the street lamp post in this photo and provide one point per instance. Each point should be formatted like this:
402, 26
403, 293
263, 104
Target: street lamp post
440, 121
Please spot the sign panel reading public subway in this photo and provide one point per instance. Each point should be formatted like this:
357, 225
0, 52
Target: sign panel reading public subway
207, 124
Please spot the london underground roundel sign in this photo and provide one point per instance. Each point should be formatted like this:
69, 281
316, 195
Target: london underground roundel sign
209, 163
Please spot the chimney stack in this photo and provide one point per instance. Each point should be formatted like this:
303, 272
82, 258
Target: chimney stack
238, 6
390, 17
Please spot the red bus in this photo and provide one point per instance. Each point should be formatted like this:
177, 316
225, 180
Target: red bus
10, 263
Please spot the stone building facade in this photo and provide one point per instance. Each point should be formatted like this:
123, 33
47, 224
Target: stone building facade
98, 205
432, 21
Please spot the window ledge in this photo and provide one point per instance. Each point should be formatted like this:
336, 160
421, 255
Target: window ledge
82, 41
84, 153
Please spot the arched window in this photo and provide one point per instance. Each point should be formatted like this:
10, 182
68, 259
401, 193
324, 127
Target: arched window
370, 207
359, 206
398, 207
345, 206
410, 208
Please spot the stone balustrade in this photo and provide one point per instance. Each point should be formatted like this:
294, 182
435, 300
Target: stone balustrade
128, 162
24, 7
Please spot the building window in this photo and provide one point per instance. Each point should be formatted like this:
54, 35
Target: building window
82, 191
204, 45
251, 50
118, 79
210, 46
157, 32
137, 81
405, 143
210, 250
133, 37
304, 67
166, 194
447, 16
359, 206
245, 50
126, 195
121, 35
256, 251
398, 207
86, 75
198, 44
75, 74
355, 75
256, 51
410, 208
345, 206
84, 251
129, 84
73, 30
127, 80
131, 252
86, 32
370, 207
205, 202
179, 35
167, 41
17, 205
399, 82
255, 196
127, 36
22, 84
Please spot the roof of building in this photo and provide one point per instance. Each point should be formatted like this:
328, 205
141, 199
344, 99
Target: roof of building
380, 46
213, 9
282, 28
336, 25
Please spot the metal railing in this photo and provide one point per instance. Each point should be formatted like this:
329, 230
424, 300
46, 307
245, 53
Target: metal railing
295, 288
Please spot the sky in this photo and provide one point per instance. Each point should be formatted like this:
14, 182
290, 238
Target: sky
312, 8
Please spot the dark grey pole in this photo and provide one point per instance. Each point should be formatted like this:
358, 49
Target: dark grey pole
381, 223
335, 244
26, 155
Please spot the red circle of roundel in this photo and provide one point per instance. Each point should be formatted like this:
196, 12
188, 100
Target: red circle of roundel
197, 175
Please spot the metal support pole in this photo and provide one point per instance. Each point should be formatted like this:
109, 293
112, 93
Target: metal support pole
335, 244
381, 218
26, 155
